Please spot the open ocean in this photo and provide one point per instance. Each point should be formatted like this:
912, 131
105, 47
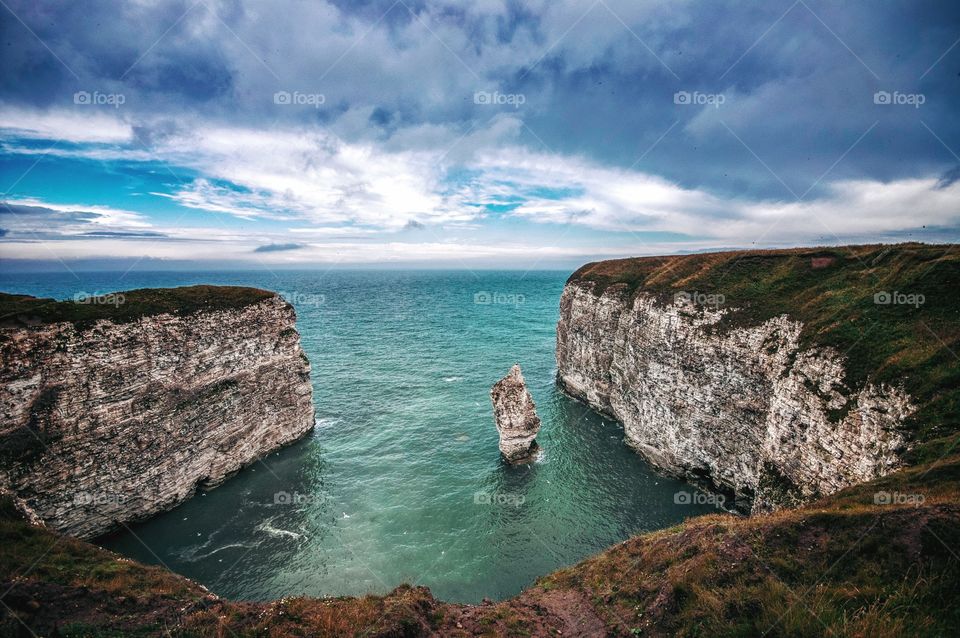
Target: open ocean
402, 481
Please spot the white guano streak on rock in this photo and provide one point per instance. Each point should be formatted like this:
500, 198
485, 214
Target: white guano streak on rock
744, 410
136, 416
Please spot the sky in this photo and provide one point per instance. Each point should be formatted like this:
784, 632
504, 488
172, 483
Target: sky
476, 134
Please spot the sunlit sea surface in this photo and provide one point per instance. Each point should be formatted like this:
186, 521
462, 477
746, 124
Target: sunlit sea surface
401, 481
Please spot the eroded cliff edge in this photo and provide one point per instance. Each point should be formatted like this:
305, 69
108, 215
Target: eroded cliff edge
722, 369
111, 415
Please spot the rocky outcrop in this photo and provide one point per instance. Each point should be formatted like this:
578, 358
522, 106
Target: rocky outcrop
516, 417
110, 422
745, 410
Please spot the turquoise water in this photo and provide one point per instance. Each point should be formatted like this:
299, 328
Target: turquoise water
402, 481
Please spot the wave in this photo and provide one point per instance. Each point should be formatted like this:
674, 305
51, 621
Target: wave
279, 533
190, 554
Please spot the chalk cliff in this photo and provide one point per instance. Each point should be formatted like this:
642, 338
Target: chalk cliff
749, 408
113, 416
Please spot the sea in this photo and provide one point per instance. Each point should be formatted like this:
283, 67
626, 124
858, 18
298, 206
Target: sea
401, 481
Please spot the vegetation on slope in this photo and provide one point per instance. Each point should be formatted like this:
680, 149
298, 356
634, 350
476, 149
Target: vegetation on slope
876, 560
838, 294
844, 566
122, 307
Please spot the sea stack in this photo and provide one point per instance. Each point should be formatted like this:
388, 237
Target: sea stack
516, 417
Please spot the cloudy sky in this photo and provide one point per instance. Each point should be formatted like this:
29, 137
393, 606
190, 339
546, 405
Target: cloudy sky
472, 133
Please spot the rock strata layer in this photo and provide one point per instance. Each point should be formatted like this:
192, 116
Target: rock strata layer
115, 422
516, 417
744, 410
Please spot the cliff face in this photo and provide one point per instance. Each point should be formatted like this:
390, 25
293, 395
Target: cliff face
114, 422
745, 409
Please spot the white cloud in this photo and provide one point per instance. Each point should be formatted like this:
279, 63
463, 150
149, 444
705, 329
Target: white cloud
33, 217
857, 208
97, 153
360, 193
311, 174
617, 200
329, 252
89, 124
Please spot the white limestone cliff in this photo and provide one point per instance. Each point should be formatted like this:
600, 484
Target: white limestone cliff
115, 422
745, 411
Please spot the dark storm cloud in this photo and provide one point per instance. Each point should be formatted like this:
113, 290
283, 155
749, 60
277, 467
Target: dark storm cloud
798, 99
949, 178
113, 234
41, 222
798, 79
13, 210
381, 117
275, 248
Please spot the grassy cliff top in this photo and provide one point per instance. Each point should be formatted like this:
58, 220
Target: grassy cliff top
878, 560
893, 310
122, 307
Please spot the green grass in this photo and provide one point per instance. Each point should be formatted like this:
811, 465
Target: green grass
841, 566
24, 310
831, 291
